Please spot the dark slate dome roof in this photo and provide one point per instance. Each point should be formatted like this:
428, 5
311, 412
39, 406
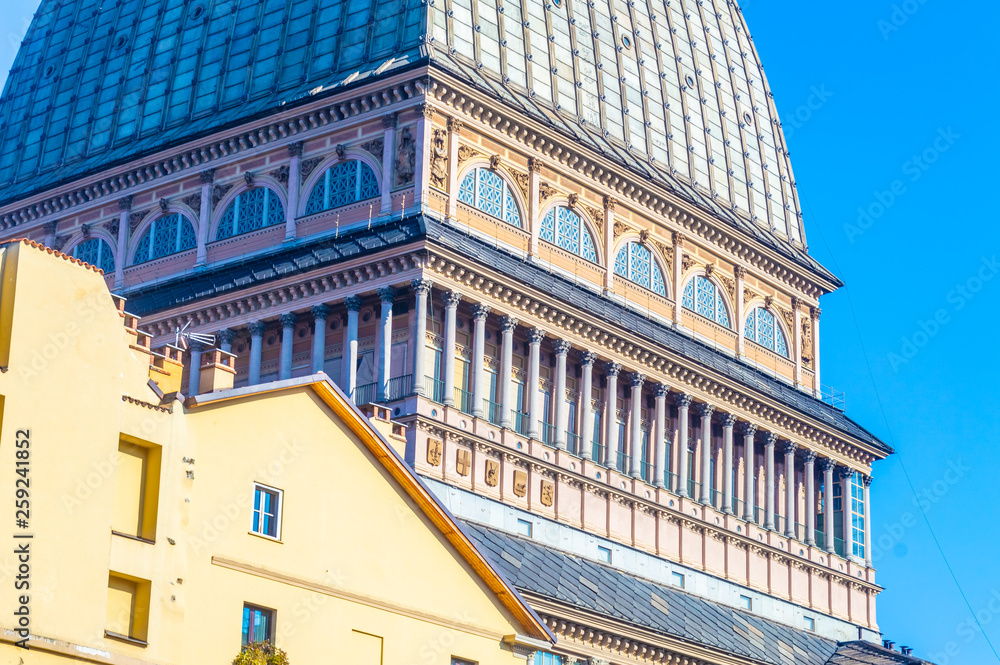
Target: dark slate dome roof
673, 89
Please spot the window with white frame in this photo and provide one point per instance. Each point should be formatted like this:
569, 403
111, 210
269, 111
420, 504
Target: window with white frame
637, 264
564, 228
97, 253
342, 184
266, 511
858, 515
703, 297
167, 235
484, 190
546, 658
762, 328
251, 210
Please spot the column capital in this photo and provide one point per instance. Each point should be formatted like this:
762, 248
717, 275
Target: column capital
125, 203
729, 420
683, 400
195, 346
609, 203
207, 177
810, 456
508, 324
705, 410
320, 312
256, 328
49, 228
426, 110
661, 389
295, 149
739, 272
814, 312
790, 447
827, 464
612, 369
287, 320
588, 358
636, 379
796, 301
534, 164
844, 472
678, 238
451, 299
421, 286
386, 294
455, 125
561, 347
390, 120
227, 335
866, 480
748, 429
480, 311
536, 335
770, 438
353, 304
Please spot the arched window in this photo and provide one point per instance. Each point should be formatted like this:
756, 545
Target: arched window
636, 264
563, 227
251, 210
485, 190
96, 252
762, 328
702, 297
342, 184
165, 236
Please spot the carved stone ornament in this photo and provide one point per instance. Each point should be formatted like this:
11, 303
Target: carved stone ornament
374, 147
164, 205
666, 253
59, 242
465, 153
520, 483
280, 174
748, 294
439, 159
463, 461
534, 165
709, 269
135, 218
434, 452
548, 492
621, 229
494, 162
807, 354
341, 150
194, 201
219, 192
307, 166
788, 317
85, 230
573, 199
522, 181
406, 157
545, 192
687, 262
492, 473
730, 286
112, 226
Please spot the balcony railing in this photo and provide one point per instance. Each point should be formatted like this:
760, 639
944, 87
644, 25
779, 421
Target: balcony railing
597, 452
399, 387
623, 462
463, 398
835, 398
492, 410
435, 389
548, 433
647, 471
573, 442
521, 423
364, 394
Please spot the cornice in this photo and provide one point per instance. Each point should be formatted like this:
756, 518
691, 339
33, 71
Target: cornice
619, 182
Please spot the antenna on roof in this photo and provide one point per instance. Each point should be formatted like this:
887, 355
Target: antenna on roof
183, 339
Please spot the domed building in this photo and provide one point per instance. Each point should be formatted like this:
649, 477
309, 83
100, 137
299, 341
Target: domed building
557, 242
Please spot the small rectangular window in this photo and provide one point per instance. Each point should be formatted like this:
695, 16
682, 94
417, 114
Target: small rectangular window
266, 511
746, 602
546, 658
127, 615
258, 624
677, 579
810, 623
524, 528
137, 488
604, 554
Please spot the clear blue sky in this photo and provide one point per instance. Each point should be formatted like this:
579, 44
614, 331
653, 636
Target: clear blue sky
887, 107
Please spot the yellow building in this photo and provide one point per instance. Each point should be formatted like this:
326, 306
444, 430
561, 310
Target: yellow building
156, 530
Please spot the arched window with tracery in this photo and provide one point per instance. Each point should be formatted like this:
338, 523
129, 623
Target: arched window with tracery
483, 189
96, 252
251, 210
762, 328
636, 264
702, 296
342, 184
564, 228
167, 235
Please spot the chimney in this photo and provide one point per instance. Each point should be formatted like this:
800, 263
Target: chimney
906, 650
381, 419
167, 368
889, 644
218, 371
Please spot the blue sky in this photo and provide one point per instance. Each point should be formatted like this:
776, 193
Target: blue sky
887, 109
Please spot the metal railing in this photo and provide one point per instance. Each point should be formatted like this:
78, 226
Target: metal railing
399, 387
463, 399
820, 539
548, 433
647, 471
521, 423
835, 398
493, 411
623, 462
435, 389
573, 442
597, 452
364, 394
838, 546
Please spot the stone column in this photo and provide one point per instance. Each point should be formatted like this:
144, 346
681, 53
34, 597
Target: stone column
815, 312
609, 260
534, 221
660, 434
828, 466
194, 371
635, 435
790, 494
256, 348
561, 347
797, 336
769, 440
294, 158
749, 461
389, 122
479, 314
50, 228
741, 274
683, 402
611, 371
535, 337
226, 337
350, 356
421, 290
421, 175
867, 481
121, 255
451, 301
587, 359
844, 478
507, 326
454, 131
810, 473
207, 178
385, 295
320, 314
705, 411
728, 422
287, 339
678, 275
